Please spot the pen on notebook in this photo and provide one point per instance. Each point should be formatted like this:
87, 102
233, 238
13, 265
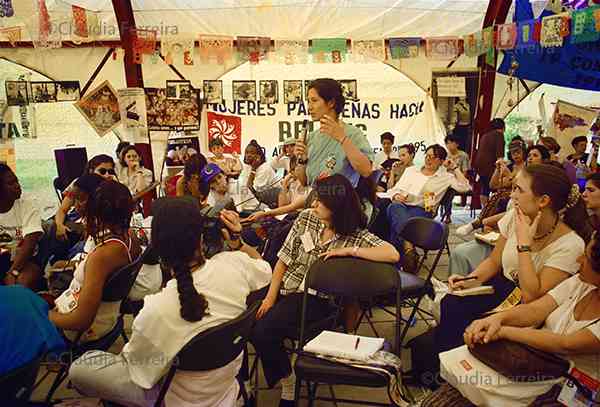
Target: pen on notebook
357, 342
464, 279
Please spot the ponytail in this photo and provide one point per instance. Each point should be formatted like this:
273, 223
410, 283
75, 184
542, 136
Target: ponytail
576, 217
194, 306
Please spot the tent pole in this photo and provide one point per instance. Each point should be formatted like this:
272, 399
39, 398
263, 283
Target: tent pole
133, 77
97, 71
496, 14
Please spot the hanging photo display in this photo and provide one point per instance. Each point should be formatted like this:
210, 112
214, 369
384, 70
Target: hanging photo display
292, 91
132, 105
269, 92
180, 149
67, 91
43, 92
16, 93
349, 89
179, 89
100, 107
306, 87
168, 114
244, 90
213, 91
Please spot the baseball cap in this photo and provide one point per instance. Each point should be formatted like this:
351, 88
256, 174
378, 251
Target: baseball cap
209, 172
289, 142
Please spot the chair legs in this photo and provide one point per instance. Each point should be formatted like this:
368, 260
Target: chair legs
60, 377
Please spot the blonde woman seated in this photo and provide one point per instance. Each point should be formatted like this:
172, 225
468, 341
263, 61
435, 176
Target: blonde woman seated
569, 315
539, 243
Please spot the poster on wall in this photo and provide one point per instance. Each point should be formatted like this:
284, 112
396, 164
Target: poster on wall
569, 121
228, 129
16, 93
100, 107
167, 114
43, 92
451, 86
349, 89
179, 89
180, 149
132, 105
213, 91
306, 87
67, 91
292, 91
269, 92
244, 90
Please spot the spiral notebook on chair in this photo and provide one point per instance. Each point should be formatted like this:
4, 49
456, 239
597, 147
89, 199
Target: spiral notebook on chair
345, 346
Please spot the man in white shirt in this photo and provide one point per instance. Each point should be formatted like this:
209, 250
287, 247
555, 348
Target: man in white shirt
419, 192
387, 152
20, 232
282, 161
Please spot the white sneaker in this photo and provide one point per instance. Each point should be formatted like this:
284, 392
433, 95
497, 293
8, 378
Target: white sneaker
464, 230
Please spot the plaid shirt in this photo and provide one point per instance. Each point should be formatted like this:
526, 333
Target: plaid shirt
298, 261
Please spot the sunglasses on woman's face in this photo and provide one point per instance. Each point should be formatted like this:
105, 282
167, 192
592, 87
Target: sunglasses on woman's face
104, 171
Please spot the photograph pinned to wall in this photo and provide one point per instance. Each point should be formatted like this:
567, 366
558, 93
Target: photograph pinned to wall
213, 91
179, 89
67, 91
180, 149
244, 90
17, 93
132, 105
292, 91
307, 83
269, 92
167, 114
43, 92
100, 107
349, 89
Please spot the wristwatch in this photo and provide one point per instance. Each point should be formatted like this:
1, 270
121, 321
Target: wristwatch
523, 248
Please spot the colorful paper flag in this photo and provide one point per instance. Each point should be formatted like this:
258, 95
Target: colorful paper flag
80, 21
366, 50
290, 52
506, 36
552, 28
407, 47
253, 49
584, 25
528, 33
12, 34
217, 46
474, 45
442, 47
328, 49
6, 8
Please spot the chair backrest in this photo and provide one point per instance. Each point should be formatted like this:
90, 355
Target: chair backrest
354, 278
213, 348
16, 386
425, 233
58, 188
119, 284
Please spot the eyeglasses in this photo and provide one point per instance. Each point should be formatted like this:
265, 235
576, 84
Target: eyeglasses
104, 171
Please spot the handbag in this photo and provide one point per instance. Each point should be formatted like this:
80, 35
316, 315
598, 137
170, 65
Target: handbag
519, 362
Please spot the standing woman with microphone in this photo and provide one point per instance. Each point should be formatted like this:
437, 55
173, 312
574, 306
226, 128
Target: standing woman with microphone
133, 174
336, 147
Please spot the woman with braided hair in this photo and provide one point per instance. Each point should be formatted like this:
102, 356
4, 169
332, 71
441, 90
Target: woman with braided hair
203, 294
540, 240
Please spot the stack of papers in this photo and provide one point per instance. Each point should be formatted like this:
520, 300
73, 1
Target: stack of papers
352, 347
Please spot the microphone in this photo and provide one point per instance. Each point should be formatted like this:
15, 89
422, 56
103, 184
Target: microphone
302, 160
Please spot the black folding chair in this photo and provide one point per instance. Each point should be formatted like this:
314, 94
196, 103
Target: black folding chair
344, 278
117, 288
212, 349
445, 206
17, 385
58, 188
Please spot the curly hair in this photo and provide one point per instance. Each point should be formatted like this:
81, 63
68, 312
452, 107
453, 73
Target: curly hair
260, 150
109, 207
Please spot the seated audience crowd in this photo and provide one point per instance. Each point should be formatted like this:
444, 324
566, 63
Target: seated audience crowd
236, 233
